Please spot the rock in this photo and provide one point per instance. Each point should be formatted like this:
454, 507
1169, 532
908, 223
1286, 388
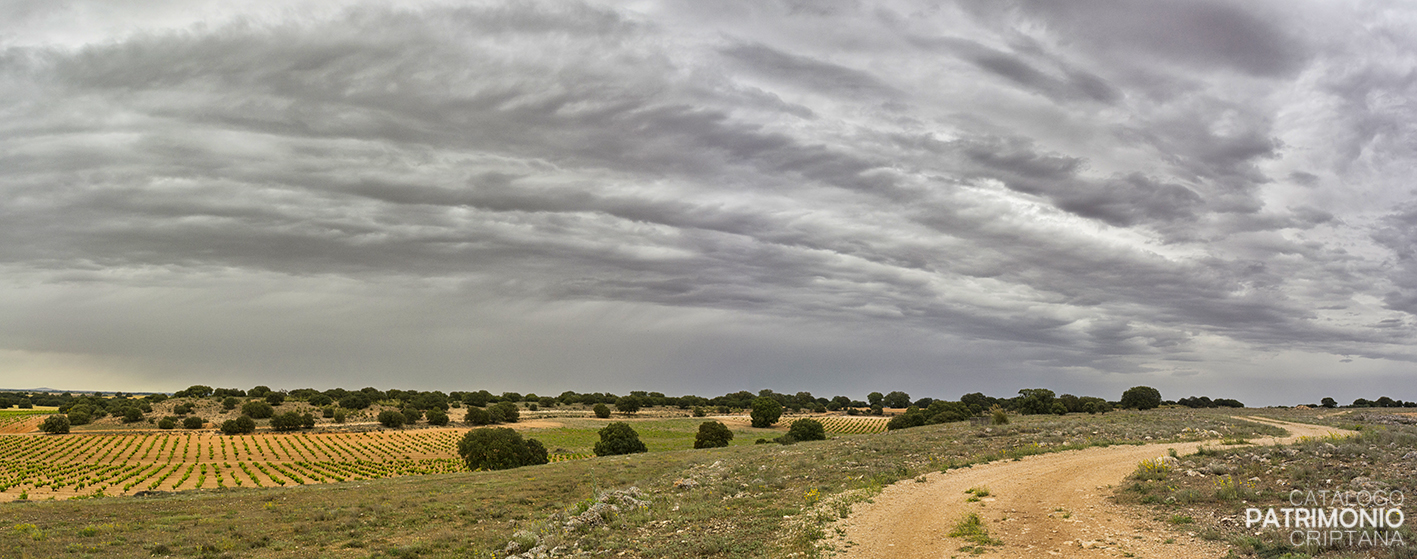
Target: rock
1410, 456
1168, 461
687, 483
1193, 473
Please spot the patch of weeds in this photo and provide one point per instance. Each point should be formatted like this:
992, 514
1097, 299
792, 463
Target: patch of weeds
971, 529
1180, 519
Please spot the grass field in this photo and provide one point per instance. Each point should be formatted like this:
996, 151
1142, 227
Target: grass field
743, 501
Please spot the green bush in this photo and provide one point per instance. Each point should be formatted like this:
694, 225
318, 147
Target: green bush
628, 404
437, 417
602, 411
411, 415
766, 411
391, 419
239, 426
193, 422
477, 416
504, 412
229, 403
290, 421
619, 438
167, 423
55, 424
257, 409
1141, 398
699, 412
499, 448
807, 430
339, 416
712, 434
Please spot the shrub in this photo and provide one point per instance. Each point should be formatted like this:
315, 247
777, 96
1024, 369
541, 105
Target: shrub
411, 415
257, 409
712, 434
896, 399
807, 430
78, 417
628, 404
699, 412
391, 419
505, 412
998, 415
602, 411
354, 401
328, 412
477, 416
239, 426
275, 398
1141, 398
229, 403
193, 422
766, 411
876, 409
499, 448
437, 417
130, 415
182, 409
290, 421
55, 424
167, 423
619, 438
339, 416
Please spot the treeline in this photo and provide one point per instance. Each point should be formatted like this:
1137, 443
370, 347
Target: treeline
1383, 402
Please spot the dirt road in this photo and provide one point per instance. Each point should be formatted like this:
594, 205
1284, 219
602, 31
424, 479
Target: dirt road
1041, 506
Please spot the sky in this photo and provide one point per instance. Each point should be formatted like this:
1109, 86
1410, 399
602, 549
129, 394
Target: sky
700, 197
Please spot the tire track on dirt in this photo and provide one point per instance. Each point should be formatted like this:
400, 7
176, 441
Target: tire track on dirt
1043, 505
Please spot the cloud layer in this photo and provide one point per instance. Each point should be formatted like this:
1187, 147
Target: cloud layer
685, 196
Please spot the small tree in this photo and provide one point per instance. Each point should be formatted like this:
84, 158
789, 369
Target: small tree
239, 426
628, 404
766, 411
167, 423
477, 416
875, 398
288, 421
437, 417
275, 398
895, 399
618, 438
411, 415
193, 422
499, 448
712, 434
257, 409
1141, 398
55, 424
699, 412
807, 430
130, 415
602, 411
340, 416
229, 403
1329, 402
391, 419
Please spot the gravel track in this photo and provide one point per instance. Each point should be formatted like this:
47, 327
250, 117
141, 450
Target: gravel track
1048, 505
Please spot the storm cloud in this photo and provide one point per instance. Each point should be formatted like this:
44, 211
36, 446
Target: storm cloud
683, 197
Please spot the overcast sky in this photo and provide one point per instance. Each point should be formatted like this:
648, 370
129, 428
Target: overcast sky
1211, 198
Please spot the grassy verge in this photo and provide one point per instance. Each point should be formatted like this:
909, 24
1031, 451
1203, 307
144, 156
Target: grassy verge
741, 501
1208, 493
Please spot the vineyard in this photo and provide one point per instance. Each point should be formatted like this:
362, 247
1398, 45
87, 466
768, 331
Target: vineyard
40, 467
852, 425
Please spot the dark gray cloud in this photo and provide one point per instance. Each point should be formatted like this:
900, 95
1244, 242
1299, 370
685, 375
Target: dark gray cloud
829, 197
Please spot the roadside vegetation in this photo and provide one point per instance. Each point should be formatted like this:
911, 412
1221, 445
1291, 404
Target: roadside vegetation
1208, 492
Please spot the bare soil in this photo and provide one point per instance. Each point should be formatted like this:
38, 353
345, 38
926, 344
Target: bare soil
1042, 505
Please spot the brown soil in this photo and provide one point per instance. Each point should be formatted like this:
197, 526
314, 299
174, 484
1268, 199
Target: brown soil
1043, 505
30, 425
